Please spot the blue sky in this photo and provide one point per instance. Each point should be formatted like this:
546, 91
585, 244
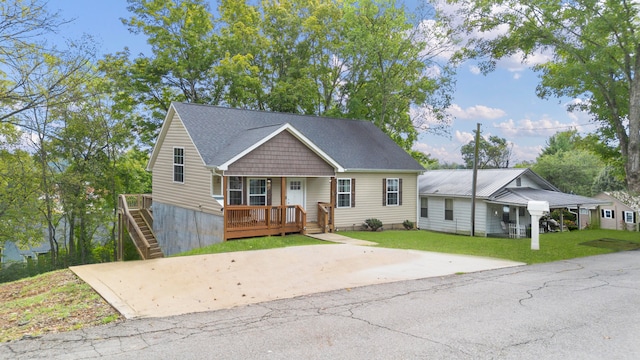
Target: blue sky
503, 102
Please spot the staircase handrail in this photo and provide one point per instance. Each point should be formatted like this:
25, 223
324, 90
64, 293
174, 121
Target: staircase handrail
129, 222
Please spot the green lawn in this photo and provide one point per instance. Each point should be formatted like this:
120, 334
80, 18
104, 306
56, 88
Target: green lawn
267, 242
553, 246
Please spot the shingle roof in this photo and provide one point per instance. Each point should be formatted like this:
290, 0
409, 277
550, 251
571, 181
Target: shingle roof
221, 133
458, 182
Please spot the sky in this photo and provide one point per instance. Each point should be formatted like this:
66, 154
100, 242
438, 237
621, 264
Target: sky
503, 102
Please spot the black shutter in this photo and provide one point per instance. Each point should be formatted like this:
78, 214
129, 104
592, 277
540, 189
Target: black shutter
353, 192
602, 213
400, 192
613, 214
384, 192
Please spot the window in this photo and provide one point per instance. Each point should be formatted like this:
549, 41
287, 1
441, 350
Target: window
216, 185
178, 165
295, 185
448, 209
518, 182
258, 192
629, 217
424, 207
235, 190
344, 193
393, 192
607, 214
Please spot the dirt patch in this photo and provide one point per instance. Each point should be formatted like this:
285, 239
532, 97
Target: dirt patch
53, 302
613, 244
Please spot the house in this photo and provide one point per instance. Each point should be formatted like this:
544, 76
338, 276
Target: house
502, 196
10, 253
622, 213
221, 173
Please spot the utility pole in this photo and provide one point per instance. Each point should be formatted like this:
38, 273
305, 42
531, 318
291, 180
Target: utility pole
475, 181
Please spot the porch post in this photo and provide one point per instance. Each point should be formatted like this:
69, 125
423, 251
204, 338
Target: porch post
283, 204
517, 222
225, 184
332, 203
120, 248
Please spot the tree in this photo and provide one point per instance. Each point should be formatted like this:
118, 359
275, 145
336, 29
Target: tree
595, 47
561, 141
26, 58
570, 171
607, 180
19, 218
363, 60
493, 153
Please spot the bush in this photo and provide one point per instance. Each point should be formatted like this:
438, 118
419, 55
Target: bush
408, 224
373, 224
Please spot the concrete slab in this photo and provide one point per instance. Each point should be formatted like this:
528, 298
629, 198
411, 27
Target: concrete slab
337, 238
180, 285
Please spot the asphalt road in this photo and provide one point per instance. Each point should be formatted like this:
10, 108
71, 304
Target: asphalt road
586, 308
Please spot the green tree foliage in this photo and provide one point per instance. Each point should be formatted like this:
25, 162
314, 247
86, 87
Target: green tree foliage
608, 180
25, 58
569, 163
570, 171
561, 142
594, 47
355, 59
493, 153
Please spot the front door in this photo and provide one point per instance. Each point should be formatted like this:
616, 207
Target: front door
296, 192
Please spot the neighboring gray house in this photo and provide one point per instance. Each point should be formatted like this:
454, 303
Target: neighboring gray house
222, 173
623, 212
10, 253
502, 196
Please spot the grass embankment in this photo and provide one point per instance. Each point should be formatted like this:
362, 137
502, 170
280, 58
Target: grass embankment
553, 246
53, 302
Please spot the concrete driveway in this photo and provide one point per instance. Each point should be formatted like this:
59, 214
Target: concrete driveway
181, 285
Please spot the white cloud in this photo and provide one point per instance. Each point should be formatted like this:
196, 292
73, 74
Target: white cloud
476, 112
475, 70
524, 153
463, 137
444, 153
544, 127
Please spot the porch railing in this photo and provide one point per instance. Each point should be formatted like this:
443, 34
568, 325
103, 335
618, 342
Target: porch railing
246, 221
325, 217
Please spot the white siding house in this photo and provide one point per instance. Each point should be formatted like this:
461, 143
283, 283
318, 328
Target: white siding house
502, 196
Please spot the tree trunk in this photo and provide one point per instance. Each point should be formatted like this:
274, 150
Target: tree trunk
72, 240
632, 162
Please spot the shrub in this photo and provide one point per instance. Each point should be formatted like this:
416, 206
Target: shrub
373, 224
408, 224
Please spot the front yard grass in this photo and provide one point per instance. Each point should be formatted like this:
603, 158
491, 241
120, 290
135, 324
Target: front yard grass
258, 243
553, 246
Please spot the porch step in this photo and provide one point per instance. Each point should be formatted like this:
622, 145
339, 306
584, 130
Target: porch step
154, 248
313, 228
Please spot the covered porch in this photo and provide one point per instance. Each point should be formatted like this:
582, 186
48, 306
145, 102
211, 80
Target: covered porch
277, 206
507, 214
